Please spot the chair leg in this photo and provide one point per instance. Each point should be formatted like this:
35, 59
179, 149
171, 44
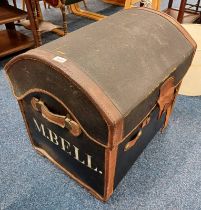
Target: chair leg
38, 9
45, 4
63, 11
181, 11
31, 8
197, 6
14, 3
85, 4
170, 4
69, 9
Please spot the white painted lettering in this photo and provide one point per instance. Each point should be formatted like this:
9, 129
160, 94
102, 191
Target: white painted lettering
40, 128
53, 137
65, 146
77, 155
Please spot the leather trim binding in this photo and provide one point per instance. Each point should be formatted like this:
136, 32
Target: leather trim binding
107, 109
166, 98
111, 159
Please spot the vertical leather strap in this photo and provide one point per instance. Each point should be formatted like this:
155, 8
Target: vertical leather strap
168, 93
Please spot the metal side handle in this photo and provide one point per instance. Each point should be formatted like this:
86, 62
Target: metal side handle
62, 121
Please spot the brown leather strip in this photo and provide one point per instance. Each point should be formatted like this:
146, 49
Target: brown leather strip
62, 121
174, 22
166, 96
107, 109
111, 159
53, 118
169, 111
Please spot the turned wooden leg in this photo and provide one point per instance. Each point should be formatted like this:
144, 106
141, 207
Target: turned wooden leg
31, 8
38, 10
181, 11
170, 4
63, 11
14, 3
23, 5
85, 5
45, 4
69, 9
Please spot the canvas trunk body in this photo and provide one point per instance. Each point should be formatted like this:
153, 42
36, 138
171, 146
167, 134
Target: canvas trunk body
92, 100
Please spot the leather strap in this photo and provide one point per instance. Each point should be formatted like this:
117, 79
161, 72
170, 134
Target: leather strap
168, 93
62, 121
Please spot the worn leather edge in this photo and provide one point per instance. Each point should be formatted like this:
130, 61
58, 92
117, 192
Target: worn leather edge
175, 23
111, 159
45, 154
104, 105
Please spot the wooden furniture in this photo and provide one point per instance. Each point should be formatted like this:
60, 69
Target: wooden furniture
24, 4
184, 14
195, 8
42, 25
73, 7
12, 40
